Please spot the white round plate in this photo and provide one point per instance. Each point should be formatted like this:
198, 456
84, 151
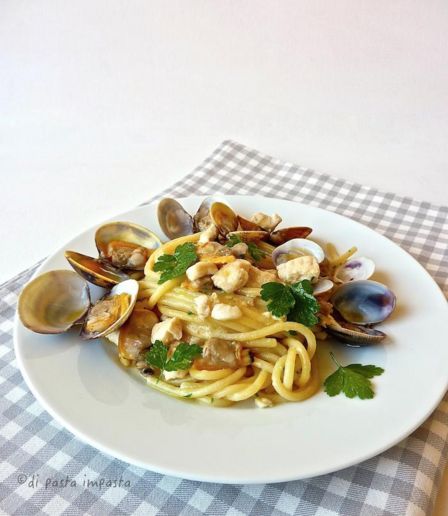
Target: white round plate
82, 385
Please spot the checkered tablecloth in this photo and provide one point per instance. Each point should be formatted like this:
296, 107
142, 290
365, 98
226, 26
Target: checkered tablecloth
403, 480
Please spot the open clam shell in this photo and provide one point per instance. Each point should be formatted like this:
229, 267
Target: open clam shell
111, 311
364, 302
248, 225
173, 219
323, 285
281, 236
94, 270
355, 269
125, 244
53, 302
354, 335
201, 219
224, 218
295, 248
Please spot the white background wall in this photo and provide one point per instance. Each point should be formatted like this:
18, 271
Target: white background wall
105, 102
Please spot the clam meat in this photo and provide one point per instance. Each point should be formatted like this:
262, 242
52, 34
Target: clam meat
111, 311
296, 248
126, 245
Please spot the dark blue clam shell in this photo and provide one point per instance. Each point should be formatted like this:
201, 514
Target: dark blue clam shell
364, 302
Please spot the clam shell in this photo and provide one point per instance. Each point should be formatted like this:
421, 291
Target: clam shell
295, 248
323, 285
130, 287
355, 269
173, 219
94, 270
125, 232
364, 302
247, 225
201, 219
53, 302
224, 218
355, 335
281, 236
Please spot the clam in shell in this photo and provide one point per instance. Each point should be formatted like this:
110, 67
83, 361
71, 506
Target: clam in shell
95, 270
224, 218
295, 248
281, 236
111, 311
173, 219
53, 302
364, 302
126, 245
354, 335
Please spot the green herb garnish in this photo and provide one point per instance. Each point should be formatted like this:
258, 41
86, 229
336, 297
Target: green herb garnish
306, 305
182, 358
278, 297
353, 380
233, 240
254, 251
174, 265
295, 301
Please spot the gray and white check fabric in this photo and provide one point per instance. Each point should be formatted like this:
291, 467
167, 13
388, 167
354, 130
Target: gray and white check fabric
403, 480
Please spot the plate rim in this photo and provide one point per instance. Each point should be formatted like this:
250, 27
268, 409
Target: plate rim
211, 477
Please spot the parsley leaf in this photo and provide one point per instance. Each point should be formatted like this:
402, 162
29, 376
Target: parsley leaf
353, 380
233, 240
296, 301
157, 356
306, 305
278, 297
174, 265
256, 253
182, 358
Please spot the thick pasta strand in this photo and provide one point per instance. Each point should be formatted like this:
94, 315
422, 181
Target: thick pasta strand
162, 290
305, 362
215, 386
240, 392
281, 369
289, 394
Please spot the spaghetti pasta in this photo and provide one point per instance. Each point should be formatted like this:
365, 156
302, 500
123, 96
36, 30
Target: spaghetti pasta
248, 355
277, 366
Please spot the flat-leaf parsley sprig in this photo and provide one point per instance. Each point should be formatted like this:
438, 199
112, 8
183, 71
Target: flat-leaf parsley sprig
295, 301
174, 265
181, 359
353, 380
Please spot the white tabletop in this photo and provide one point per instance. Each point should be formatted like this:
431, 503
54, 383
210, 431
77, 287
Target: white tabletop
104, 103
